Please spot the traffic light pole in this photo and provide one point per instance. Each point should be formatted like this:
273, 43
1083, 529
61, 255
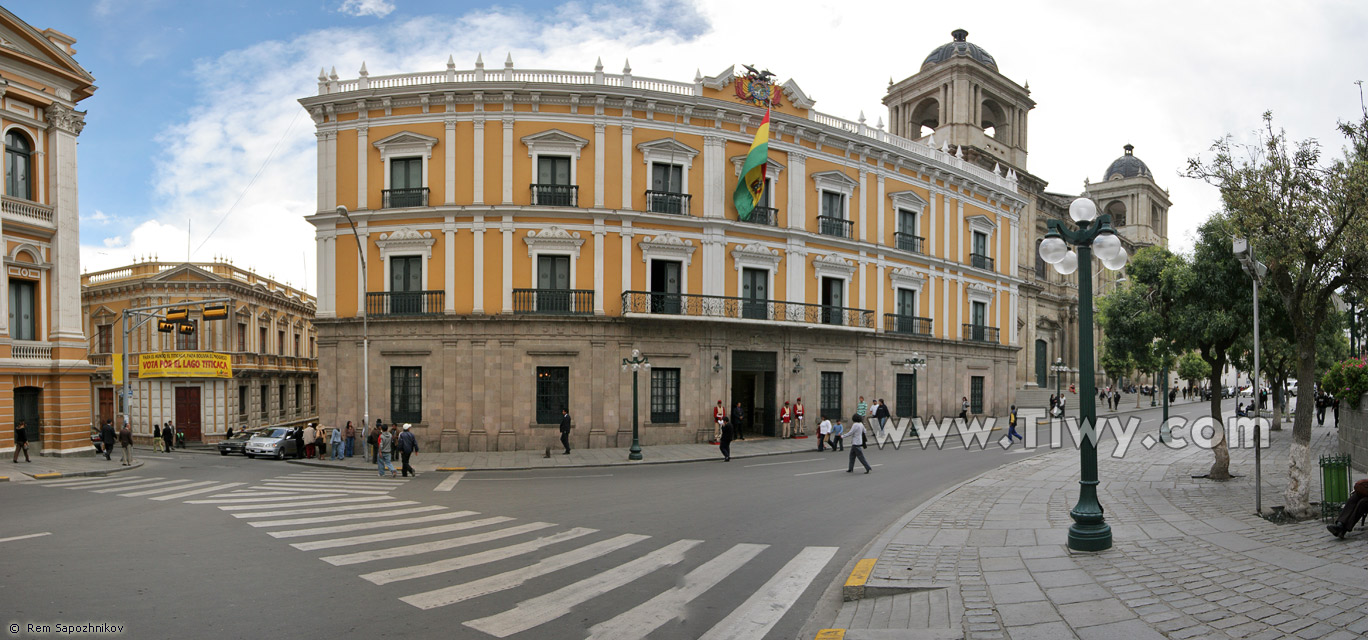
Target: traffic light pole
142, 315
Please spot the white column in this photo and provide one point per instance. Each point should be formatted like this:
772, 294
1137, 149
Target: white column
626, 235
450, 181
4, 285
795, 260
945, 237
879, 291
931, 225
64, 280
449, 263
946, 286
477, 264
321, 264
797, 200
627, 168
1011, 319
362, 142
599, 231
508, 166
864, 206
714, 263
879, 210
599, 153
477, 165
507, 228
1015, 267
959, 299
322, 163
963, 233
714, 177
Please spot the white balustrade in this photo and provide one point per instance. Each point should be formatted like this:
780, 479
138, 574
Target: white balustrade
24, 350
26, 211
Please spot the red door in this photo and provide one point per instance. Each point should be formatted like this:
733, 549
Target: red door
188, 412
106, 405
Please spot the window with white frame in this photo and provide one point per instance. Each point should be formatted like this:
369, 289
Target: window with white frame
834, 191
668, 163
405, 157
981, 229
555, 155
23, 316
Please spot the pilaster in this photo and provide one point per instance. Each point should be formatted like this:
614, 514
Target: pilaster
714, 177
599, 153
64, 285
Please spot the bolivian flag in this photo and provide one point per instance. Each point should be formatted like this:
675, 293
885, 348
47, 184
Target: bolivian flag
751, 188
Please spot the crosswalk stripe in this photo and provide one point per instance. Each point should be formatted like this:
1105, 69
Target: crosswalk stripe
70, 482
427, 547
361, 526
545, 608
652, 614
450, 482
248, 493
179, 485
195, 492
475, 559
359, 492
344, 482
510, 579
102, 482
338, 477
256, 500
760, 612
342, 516
303, 503
398, 535
328, 509
133, 485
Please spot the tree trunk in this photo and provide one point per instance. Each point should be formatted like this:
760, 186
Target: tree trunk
1220, 467
1278, 400
1299, 458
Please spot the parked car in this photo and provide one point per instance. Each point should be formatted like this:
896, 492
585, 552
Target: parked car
236, 444
1292, 387
273, 442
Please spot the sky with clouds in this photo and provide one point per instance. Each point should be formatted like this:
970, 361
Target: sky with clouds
194, 142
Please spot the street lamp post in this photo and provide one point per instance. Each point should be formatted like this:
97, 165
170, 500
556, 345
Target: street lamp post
637, 362
914, 364
1060, 369
365, 325
1089, 531
1245, 254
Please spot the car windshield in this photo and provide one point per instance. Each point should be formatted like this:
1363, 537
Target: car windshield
279, 432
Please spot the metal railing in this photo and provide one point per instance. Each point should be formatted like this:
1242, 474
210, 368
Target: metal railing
405, 303
829, 226
555, 195
768, 216
980, 261
911, 325
908, 242
692, 305
554, 301
667, 202
980, 333
400, 198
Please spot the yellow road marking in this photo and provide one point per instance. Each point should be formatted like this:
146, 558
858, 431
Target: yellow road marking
861, 573
46, 476
831, 634
451, 468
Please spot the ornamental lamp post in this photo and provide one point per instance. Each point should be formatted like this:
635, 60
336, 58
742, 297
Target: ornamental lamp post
1244, 253
637, 362
913, 364
1060, 369
365, 325
1089, 531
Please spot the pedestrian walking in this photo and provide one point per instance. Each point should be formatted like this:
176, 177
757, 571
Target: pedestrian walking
724, 441
798, 416
351, 439
21, 441
307, 438
964, 409
719, 417
126, 441
738, 421
408, 445
386, 441
1322, 401
565, 429
785, 418
337, 452
1012, 426
881, 414
372, 443
1061, 405
857, 441
168, 436
107, 437
823, 432
157, 444
320, 441
837, 443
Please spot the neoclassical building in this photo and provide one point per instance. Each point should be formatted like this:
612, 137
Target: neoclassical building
267, 337
960, 102
521, 232
44, 375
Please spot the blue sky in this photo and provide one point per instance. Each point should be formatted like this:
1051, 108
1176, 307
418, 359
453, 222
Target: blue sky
197, 98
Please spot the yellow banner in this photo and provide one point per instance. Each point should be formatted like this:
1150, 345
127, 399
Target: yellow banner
185, 364
118, 368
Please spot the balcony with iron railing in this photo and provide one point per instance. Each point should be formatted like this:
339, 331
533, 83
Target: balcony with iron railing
908, 242
555, 195
569, 302
980, 261
980, 333
401, 198
405, 303
909, 325
767, 216
733, 308
829, 226
668, 202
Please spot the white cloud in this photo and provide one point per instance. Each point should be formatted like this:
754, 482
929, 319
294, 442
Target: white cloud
377, 8
99, 217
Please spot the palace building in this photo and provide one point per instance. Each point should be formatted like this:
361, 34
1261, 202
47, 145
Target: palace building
44, 374
254, 367
521, 232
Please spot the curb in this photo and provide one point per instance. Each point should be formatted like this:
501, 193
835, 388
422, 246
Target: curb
83, 474
625, 463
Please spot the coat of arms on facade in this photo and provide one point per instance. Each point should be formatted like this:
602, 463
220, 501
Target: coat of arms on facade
758, 88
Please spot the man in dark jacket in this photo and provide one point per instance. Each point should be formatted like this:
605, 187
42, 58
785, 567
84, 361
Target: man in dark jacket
408, 445
168, 436
565, 429
21, 441
298, 437
126, 441
738, 417
107, 436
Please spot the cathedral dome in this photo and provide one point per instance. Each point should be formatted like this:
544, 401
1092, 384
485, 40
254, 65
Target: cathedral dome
1127, 166
959, 47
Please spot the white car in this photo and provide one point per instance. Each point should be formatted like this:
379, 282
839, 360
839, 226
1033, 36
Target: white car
274, 442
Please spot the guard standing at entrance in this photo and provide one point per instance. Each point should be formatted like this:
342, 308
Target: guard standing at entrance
719, 417
798, 415
738, 414
785, 415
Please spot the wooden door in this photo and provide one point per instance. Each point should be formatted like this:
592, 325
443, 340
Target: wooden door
106, 405
188, 412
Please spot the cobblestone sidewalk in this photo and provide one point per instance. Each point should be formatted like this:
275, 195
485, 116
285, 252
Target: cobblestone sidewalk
987, 559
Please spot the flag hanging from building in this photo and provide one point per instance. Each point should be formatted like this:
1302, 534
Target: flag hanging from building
751, 188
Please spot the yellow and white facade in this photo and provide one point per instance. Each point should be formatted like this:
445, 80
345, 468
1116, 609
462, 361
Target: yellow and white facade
524, 230
44, 374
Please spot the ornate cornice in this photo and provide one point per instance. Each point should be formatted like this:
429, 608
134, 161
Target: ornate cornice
65, 118
554, 240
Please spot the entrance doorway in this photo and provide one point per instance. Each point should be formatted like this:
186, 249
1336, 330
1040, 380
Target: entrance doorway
106, 405
665, 286
26, 403
754, 385
188, 412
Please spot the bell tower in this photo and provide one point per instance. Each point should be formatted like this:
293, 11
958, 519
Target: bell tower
960, 98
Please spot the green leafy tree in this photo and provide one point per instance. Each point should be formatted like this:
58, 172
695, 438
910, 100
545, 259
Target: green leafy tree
1309, 223
1191, 367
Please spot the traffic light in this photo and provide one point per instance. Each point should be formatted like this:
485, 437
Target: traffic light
178, 315
215, 312
187, 328
165, 327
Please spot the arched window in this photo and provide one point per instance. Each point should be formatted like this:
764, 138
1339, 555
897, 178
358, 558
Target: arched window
18, 166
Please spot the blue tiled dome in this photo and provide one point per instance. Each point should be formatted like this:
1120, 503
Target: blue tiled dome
1127, 166
959, 47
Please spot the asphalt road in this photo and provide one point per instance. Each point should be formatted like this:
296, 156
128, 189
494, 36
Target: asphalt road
746, 549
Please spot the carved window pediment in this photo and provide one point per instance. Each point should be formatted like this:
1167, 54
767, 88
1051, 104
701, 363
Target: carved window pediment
553, 239
755, 255
827, 266
667, 246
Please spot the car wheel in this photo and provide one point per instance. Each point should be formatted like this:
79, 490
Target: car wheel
280, 455
252, 456
223, 453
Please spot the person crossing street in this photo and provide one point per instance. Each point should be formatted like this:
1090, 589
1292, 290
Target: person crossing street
857, 439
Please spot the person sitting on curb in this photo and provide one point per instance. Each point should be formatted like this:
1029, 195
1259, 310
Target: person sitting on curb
1354, 509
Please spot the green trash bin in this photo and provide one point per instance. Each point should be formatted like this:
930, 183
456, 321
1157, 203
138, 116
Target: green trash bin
1334, 485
